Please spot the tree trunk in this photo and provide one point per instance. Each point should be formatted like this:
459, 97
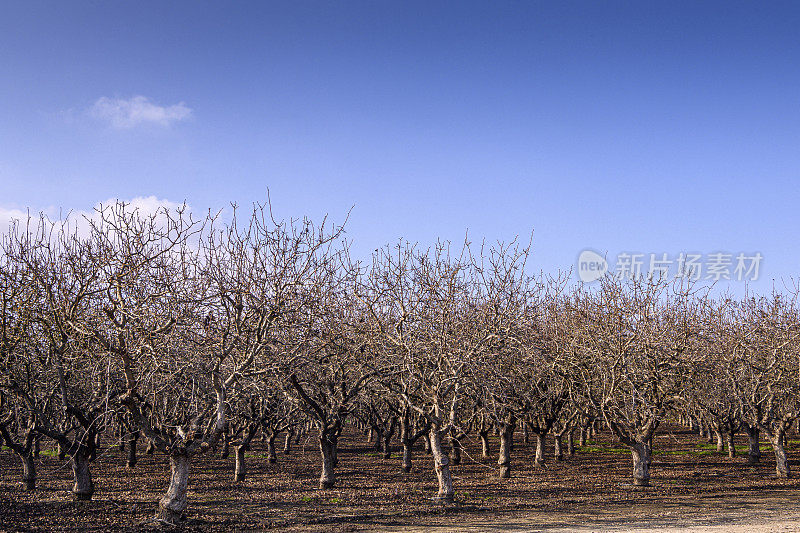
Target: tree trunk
387, 446
151, 448
287, 443
642, 456
571, 442
582, 437
241, 468
526, 433
720, 442
28, 470
442, 466
377, 443
559, 452
62, 452
731, 445
781, 461
226, 447
83, 488
504, 457
328, 449
455, 450
540, 442
484, 436
407, 466
405, 440
428, 445
753, 449
133, 438
173, 504
272, 457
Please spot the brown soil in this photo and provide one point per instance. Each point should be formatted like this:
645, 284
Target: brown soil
691, 487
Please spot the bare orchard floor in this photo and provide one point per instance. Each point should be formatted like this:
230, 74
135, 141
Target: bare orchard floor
692, 487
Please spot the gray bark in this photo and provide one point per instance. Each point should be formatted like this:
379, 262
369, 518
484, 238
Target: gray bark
484, 436
328, 450
730, 443
753, 450
172, 506
287, 443
455, 450
504, 457
642, 457
272, 457
28, 471
83, 487
559, 452
720, 443
540, 443
133, 438
442, 465
240, 471
781, 461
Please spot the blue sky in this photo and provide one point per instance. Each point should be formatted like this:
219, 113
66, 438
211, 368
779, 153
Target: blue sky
615, 126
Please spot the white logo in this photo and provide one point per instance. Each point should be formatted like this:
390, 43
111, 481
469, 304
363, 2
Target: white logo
591, 266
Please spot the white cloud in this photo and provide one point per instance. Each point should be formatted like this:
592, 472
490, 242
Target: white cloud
125, 114
9, 216
79, 220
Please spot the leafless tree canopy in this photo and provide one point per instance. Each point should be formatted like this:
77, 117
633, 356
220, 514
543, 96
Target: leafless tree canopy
197, 333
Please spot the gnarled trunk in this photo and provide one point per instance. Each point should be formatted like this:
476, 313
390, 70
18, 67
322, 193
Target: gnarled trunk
406, 465
720, 444
28, 471
174, 502
83, 487
729, 441
442, 465
151, 448
642, 456
387, 447
226, 448
781, 461
272, 457
328, 450
133, 438
753, 450
240, 472
540, 442
484, 436
455, 450
287, 443
571, 442
558, 453
504, 457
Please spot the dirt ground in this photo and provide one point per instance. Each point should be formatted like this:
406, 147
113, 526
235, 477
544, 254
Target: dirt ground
693, 488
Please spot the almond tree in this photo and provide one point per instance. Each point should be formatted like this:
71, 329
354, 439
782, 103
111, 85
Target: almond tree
637, 338
62, 385
762, 367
